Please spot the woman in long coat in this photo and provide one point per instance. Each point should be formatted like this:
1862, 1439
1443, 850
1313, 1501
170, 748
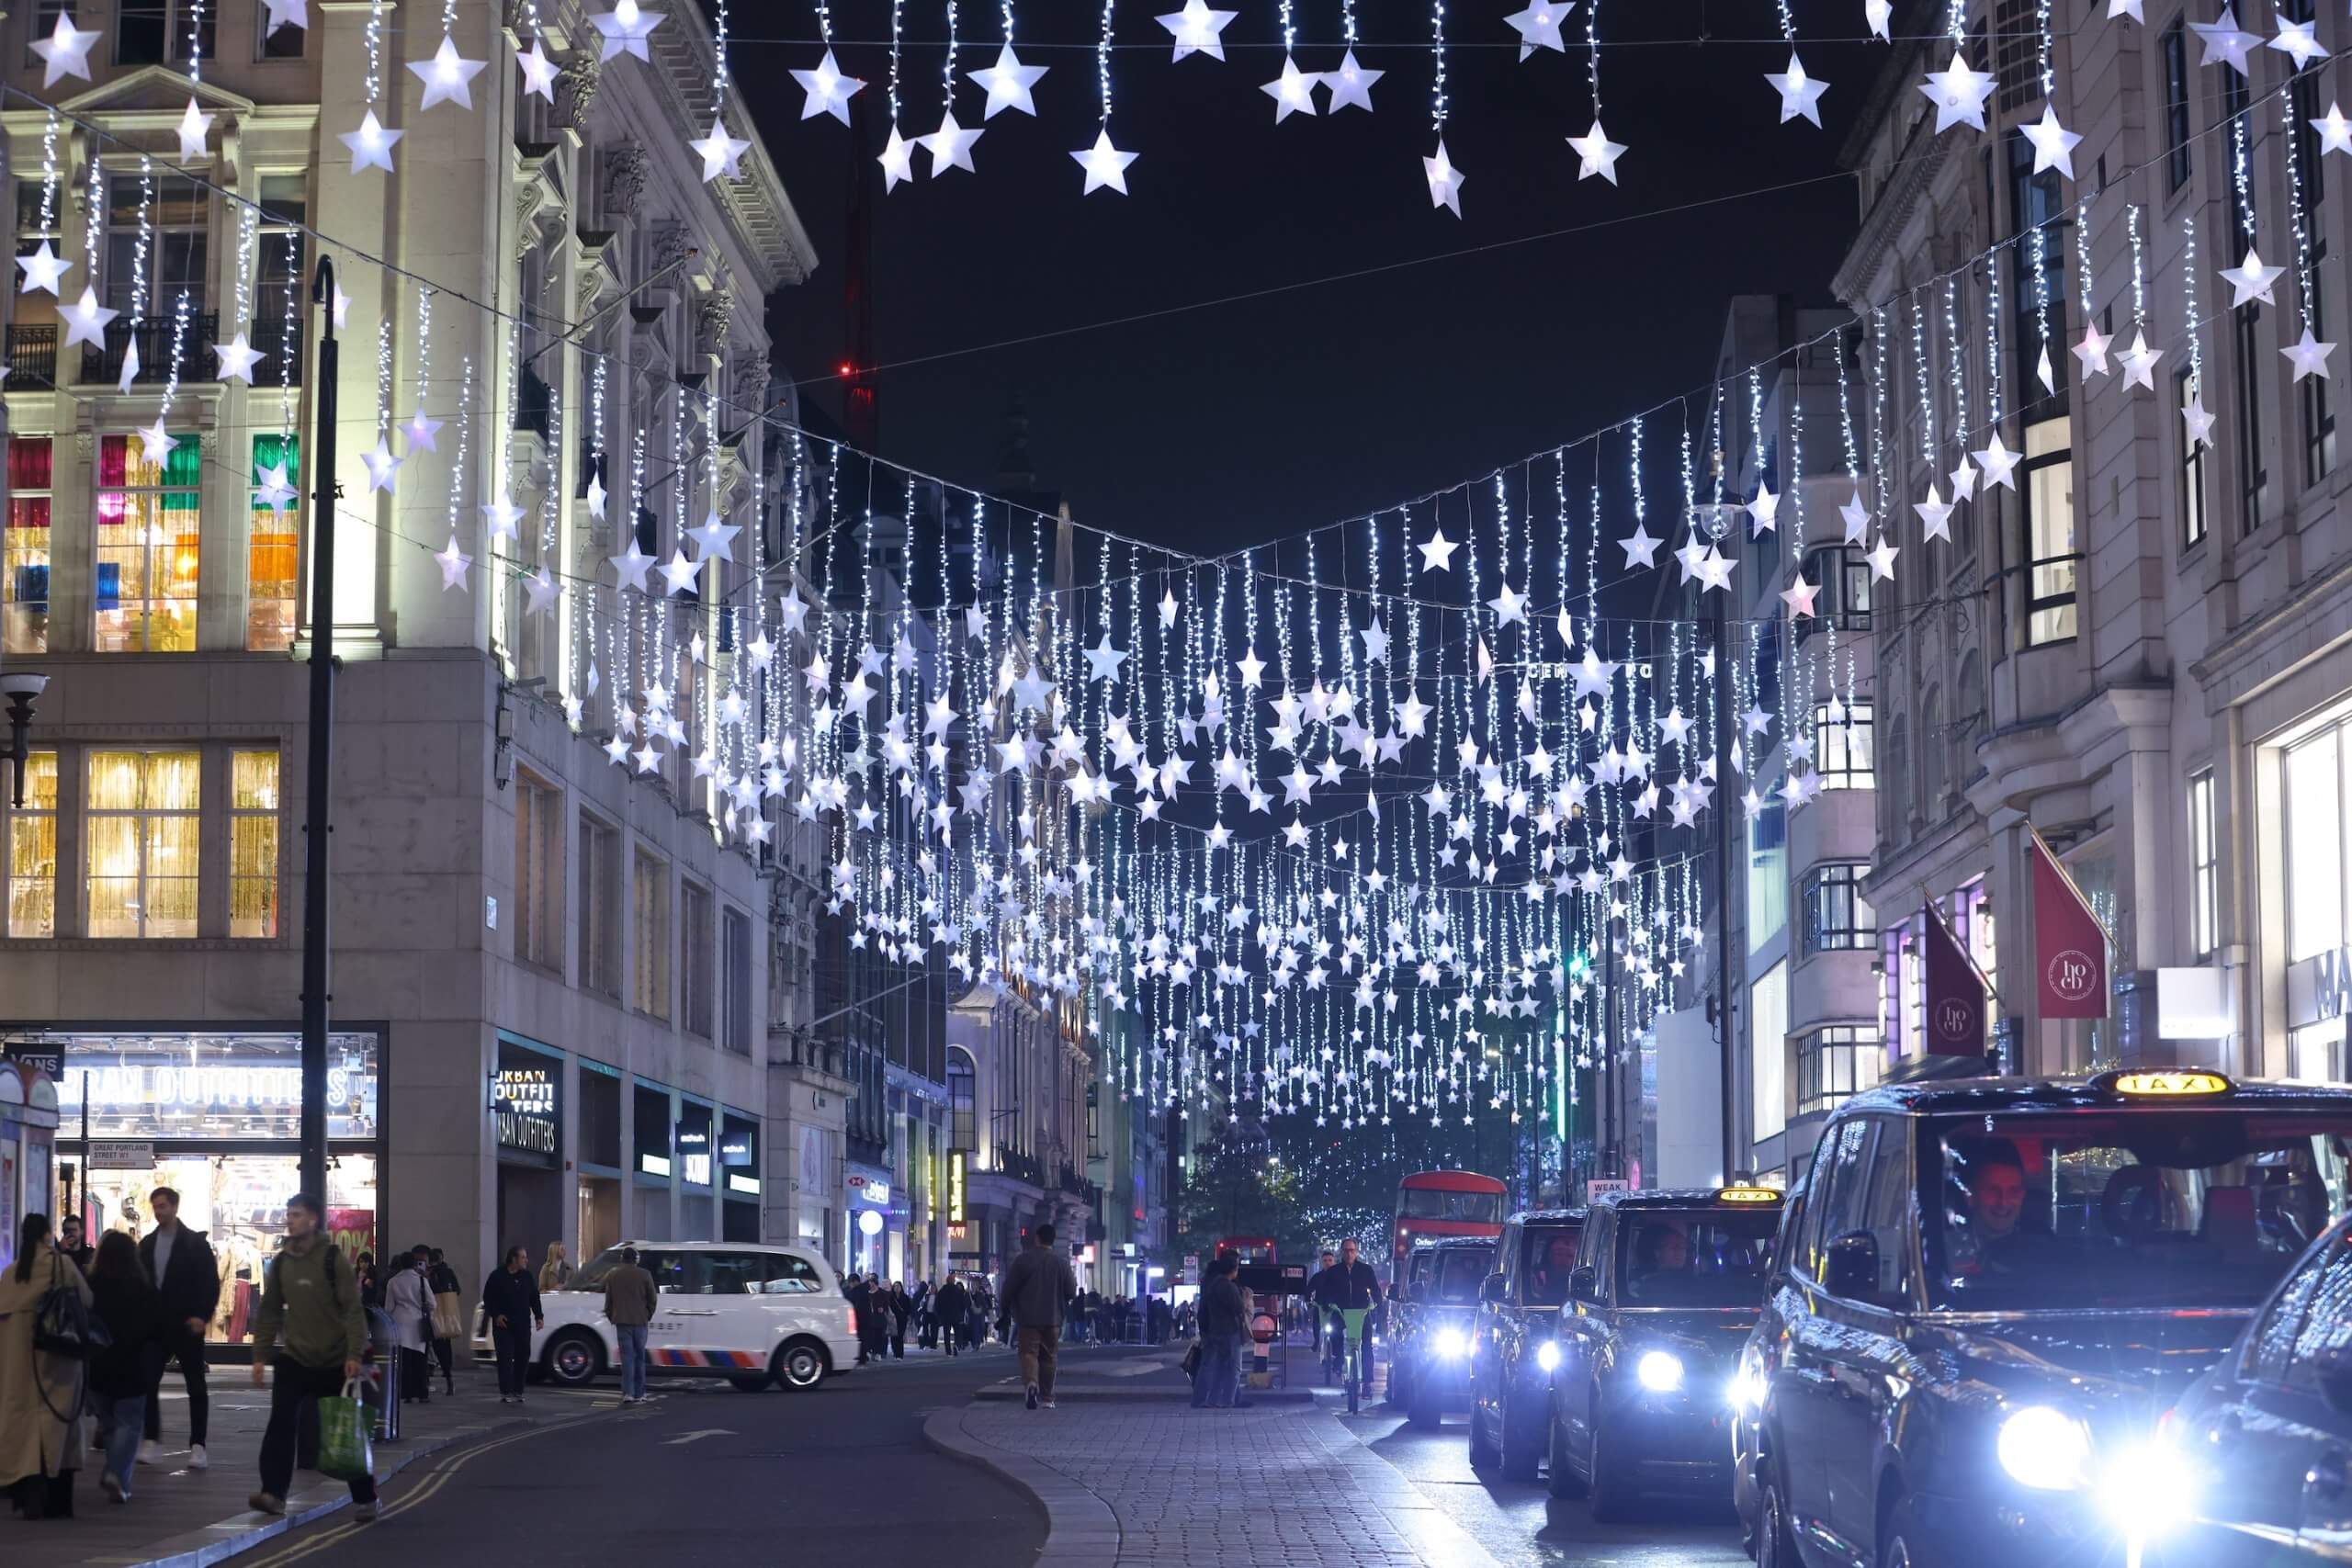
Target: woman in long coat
40, 1395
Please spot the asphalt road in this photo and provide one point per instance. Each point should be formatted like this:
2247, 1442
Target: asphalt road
701, 1473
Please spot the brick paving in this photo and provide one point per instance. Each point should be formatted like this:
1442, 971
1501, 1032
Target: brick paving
1135, 1484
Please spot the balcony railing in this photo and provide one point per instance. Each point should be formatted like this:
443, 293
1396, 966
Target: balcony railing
281, 351
32, 352
154, 334
532, 405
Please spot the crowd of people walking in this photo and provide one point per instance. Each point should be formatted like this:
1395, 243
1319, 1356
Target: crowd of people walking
940, 1315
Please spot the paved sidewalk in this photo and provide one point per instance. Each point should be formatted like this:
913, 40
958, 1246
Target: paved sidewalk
1137, 1486
187, 1518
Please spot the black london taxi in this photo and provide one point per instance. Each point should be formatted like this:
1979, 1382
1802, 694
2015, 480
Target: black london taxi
2266, 1436
1432, 1323
1665, 1288
1987, 1294
1513, 1355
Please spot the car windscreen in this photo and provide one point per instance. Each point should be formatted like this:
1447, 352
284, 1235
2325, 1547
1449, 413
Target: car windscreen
2172, 1208
1694, 1257
1547, 1257
1458, 1273
1438, 1203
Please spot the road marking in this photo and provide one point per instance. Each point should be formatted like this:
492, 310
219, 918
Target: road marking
686, 1438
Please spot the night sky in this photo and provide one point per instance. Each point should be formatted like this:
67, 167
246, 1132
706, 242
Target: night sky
1253, 420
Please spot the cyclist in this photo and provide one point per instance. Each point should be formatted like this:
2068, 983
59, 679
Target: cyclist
1321, 1291
1351, 1295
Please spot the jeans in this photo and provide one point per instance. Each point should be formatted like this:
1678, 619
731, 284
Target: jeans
513, 1346
1219, 1371
119, 1421
292, 1388
1038, 1351
189, 1348
633, 1338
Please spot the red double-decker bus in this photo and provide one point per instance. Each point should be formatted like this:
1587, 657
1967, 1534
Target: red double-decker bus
1433, 1204
1249, 1249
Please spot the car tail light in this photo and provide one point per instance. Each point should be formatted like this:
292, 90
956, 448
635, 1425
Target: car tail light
849, 1317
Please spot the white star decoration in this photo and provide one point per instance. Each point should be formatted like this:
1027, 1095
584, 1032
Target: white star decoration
2335, 130
85, 319
1959, 94
2053, 144
1293, 90
625, 29
1197, 28
193, 127
371, 144
1445, 180
66, 51
1104, 164
1800, 94
1351, 84
1597, 154
2250, 280
829, 92
447, 75
538, 72
2140, 362
1008, 82
43, 269
951, 145
1539, 25
722, 154
454, 562
898, 159
2310, 356
237, 360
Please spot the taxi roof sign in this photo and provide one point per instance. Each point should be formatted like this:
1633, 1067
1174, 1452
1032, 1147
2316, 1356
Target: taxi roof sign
2173, 1083
1748, 1195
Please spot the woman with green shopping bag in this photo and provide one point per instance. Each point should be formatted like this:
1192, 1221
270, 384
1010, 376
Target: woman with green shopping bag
311, 1331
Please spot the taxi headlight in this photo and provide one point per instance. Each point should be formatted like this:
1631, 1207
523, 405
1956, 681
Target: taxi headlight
1660, 1371
1451, 1343
1747, 1390
2046, 1449
1547, 1356
2148, 1489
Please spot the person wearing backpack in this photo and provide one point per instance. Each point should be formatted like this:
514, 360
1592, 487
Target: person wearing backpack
309, 1331
40, 1387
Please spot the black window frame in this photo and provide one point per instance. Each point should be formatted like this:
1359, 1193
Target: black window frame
1827, 1064
2036, 603
2204, 867
1858, 717
1834, 908
2036, 197
2180, 129
2254, 476
2196, 510
2319, 410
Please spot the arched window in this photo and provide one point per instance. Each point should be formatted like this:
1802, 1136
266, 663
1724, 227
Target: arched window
961, 1081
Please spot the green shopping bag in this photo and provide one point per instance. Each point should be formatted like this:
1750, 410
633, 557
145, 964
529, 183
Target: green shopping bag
344, 1450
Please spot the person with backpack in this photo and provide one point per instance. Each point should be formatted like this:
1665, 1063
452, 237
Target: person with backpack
310, 1333
44, 1303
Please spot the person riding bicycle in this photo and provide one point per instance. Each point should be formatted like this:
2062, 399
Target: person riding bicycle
1346, 1294
1319, 1291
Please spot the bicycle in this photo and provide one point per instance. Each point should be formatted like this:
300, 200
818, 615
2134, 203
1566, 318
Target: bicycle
1334, 1347
1351, 1326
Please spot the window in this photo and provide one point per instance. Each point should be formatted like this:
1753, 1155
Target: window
1935, 781
2246, 371
278, 282
2193, 519
24, 555
696, 957
2314, 845
273, 552
1768, 1051
735, 1274
252, 843
735, 987
32, 850
961, 1100
2319, 414
2269, 1349
32, 347
539, 872
172, 255
789, 1274
1767, 873
1838, 919
2178, 131
2036, 205
600, 907
148, 546
1842, 744
142, 843
149, 32
650, 934
2050, 534
1887, 1213
1842, 575
1836, 1063
2204, 870
280, 42
1837, 1194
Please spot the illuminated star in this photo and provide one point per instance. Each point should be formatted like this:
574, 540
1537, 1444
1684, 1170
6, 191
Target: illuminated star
43, 269
1539, 25
2092, 351
1764, 511
1857, 516
951, 146
1351, 84
2199, 424
829, 92
1881, 557
1879, 14
595, 489
2225, 41
2000, 464
2310, 356
1800, 94
453, 562
2131, 8
1104, 660
381, 465
1959, 94
625, 28
1197, 28
678, 574
66, 51
371, 144
1934, 516
447, 75
1104, 164
1799, 597
1008, 82
2250, 280
85, 319
287, 14
503, 514
1293, 90
194, 126
898, 159
1168, 608
420, 432
632, 564
542, 592
538, 72
2335, 130
1445, 180
2299, 42
2140, 362
154, 443
1437, 551
237, 359
1509, 606
1639, 548
2053, 144
1599, 154
275, 491
721, 153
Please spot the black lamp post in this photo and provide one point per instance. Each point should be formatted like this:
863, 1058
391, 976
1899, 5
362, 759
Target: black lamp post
22, 688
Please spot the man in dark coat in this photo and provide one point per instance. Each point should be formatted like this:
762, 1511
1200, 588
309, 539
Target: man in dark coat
187, 1277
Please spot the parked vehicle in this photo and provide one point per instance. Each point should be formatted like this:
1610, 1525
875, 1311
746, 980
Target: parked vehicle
1432, 1320
754, 1316
1985, 1294
1667, 1286
1511, 1354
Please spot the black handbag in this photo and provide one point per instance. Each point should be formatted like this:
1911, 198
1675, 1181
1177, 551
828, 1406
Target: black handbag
65, 1325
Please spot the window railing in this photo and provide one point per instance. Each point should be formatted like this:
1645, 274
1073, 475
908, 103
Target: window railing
32, 352
154, 334
281, 351
534, 405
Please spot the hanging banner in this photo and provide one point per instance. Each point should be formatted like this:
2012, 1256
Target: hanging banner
1954, 1013
2069, 942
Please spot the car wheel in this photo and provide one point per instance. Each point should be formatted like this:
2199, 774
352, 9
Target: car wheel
1773, 1545
1903, 1543
1482, 1452
573, 1358
1516, 1446
748, 1383
1565, 1480
1611, 1485
800, 1365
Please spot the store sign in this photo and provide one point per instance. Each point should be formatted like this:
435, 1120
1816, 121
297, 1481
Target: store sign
197, 1093
118, 1154
526, 1110
1599, 1184
693, 1156
653, 1165
749, 1184
47, 1060
955, 1187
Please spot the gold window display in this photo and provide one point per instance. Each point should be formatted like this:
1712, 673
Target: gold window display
32, 852
142, 842
252, 843
148, 546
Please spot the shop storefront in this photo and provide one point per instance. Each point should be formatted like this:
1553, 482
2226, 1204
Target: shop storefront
527, 1114
599, 1165
739, 1176
874, 1245
217, 1116
27, 1144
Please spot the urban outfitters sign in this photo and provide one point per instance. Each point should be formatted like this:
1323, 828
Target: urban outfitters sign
524, 1108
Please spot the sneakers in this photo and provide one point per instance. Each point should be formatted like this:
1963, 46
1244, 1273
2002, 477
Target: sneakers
364, 1512
112, 1488
1032, 1396
1049, 1403
265, 1503
151, 1452
196, 1457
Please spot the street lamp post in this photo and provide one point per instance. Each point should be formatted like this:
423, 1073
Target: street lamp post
324, 493
22, 688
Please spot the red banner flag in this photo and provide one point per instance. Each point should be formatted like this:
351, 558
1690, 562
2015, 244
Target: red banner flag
1955, 1014
2069, 943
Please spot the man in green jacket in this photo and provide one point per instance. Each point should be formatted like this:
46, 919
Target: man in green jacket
311, 1331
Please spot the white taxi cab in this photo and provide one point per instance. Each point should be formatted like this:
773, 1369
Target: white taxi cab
752, 1314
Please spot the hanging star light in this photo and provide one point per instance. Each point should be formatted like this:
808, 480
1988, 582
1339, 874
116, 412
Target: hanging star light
1445, 185
715, 539
632, 564
286, 14
2225, 41
1934, 516
454, 562
1959, 94
1799, 597
193, 127
678, 574
1351, 84
1639, 548
1598, 155
2140, 362
1881, 557
66, 51
538, 72
381, 465
1197, 29
1437, 551
2299, 42
2310, 356
85, 319
722, 154
1539, 25
44, 269
951, 145
155, 444
625, 29
2053, 144
1104, 164
2198, 424
1800, 94
371, 144
1879, 14
502, 512
898, 159
1293, 90
1999, 463
2335, 130
2131, 8
2092, 351
1008, 82
1857, 517
420, 432
543, 592
275, 490
237, 359
2250, 280
595, 492
829, 90
447, 75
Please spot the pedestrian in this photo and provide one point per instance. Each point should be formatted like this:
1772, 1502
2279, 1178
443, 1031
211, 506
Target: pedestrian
40, 1391
511, 1301
1223, 1322
555, 1274
309, 1301
180, 1262
70, 1242
123, 1375
899, 1306
983, 1313
861, 1311
629, 1302
371, 1280
448, 1317
950, 1307
409, 1299
1037, 1285
919, 1309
